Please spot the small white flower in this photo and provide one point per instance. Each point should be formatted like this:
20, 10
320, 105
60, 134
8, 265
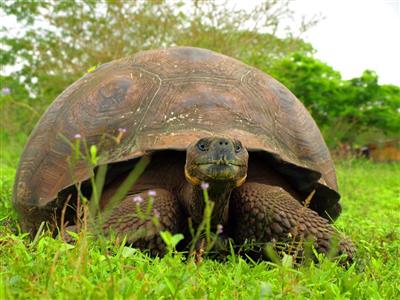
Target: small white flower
137, 199
6, 91
220, 229
204, 185
77, 136
152, 193
122, 130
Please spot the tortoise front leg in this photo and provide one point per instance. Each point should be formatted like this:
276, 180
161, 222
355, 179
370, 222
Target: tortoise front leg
141, 222
263, 213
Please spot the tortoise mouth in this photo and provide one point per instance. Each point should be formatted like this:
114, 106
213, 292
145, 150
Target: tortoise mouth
220, 162
219, 171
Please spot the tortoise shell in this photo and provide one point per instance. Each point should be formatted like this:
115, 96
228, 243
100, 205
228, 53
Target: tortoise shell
167, 99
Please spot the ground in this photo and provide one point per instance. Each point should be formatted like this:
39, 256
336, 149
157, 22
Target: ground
47, 268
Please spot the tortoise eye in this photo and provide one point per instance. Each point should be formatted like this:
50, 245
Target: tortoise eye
202, 145
238, 148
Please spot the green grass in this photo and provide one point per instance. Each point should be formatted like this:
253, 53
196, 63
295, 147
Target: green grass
47, 268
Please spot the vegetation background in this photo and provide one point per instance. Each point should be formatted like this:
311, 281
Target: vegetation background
57, 42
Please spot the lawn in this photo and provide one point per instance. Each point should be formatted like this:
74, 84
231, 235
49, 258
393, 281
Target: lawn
47, 268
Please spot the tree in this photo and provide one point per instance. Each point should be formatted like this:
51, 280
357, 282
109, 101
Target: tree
344, 109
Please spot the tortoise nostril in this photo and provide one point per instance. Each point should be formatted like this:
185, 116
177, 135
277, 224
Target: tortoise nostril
223, 144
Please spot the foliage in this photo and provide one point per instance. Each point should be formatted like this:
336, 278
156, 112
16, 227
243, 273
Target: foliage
373, 105
347, 108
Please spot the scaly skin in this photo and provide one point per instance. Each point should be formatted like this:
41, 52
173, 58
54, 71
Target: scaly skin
263, 213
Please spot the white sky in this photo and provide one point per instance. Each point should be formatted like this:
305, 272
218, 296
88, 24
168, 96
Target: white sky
356, 35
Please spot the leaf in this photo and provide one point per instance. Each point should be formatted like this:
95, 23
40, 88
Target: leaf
176, 238
171, 240
128, 251
167, 237
73, 234
93, 154
287, 261
91, 69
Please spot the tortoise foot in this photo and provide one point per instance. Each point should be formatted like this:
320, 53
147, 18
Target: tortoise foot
265, 213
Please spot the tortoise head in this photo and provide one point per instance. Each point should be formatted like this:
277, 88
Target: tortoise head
216, 159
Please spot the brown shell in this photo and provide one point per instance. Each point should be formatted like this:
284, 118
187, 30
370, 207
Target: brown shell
166, 99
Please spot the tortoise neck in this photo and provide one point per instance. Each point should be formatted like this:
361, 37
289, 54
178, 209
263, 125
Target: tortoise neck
218, 194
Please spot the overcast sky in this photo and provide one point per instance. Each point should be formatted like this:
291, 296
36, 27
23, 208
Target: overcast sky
356, 35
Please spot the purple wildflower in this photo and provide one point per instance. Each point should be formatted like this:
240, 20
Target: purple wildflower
220, 229
77, 136
156, 213
137, 199
6, 91
152, 193
122, 130
204, 185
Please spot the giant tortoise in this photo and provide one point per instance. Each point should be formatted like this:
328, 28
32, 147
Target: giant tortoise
201, 117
